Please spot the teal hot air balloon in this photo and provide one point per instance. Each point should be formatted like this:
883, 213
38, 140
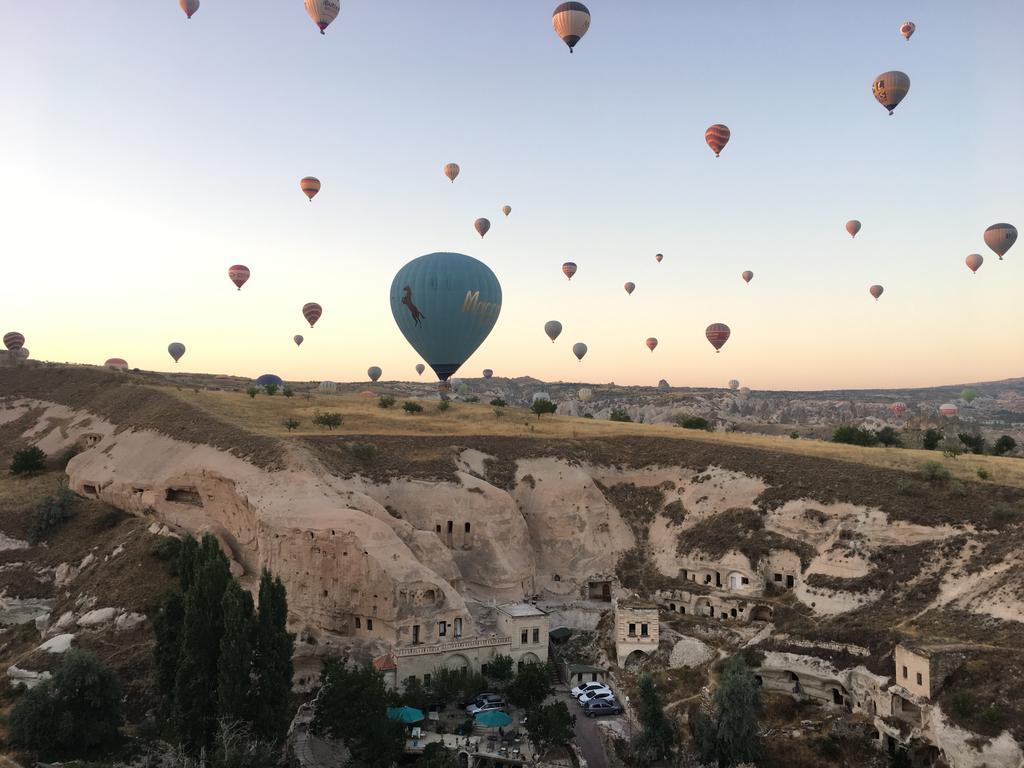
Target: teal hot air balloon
445, 304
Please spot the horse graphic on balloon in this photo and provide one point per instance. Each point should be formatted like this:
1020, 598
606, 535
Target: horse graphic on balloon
413, 310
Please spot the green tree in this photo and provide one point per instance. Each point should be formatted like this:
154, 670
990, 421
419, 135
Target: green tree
542, 406
287, 392
500, 668
656, 736
852, 435
444, 406
693, 422
236, 653
411, 407
167, 623
889, 437
270, 389
931, 439
531, 685
291, 424
1003, 445
619, 414
550, 726
28, 461
352, 706
498, 402
733, 736
78, 712
974, 441
329, 420
436, 755
252, 392
414, 694
385, 401
273, 660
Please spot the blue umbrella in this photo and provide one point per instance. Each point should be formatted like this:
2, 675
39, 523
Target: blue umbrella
405, 714
493, 718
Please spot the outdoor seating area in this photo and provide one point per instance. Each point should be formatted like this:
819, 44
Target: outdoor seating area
489, 738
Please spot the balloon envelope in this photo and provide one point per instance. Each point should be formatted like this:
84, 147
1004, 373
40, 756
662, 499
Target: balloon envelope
717, 136
890, 88
968, 395
569, 269
506, 209
747, 276
734, 384
585, 394
948, 410
189, 6
445, 304
312, 312
420, 368
853, 227
488, 373
1000, 237
579, 349
717, 334
658, 257
876, 291
374, 372
117, 363
298, 340
310, 186
898, 409
974, 261
571, 22
269, 378
482, 226
451, 170
630, 287
323, 12
907, 28
552, 328
14, 340
239, 275
176, 350
651, 343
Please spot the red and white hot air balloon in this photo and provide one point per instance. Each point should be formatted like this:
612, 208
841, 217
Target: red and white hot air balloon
974, 262
569, 269
747, 276
323, 12
14, 340
239, 275
482, 226
309, 185
189, 6
853, 227
717, 136
658, 257
948, 410
898, 409
907, 28
451, 170
117, 363
876, 291
718, 334
651, 343
312, 312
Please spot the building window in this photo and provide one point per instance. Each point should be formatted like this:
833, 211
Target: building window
536, 637
450, 526
467, 527
458, 628
920, 679
905, 674
437, 527
442, 628
579, 677
369, 625
523, 636
745, 580
358, 624
778, 577
415, 634
632, 630
643, 630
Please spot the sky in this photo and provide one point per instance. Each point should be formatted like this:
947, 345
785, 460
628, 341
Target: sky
142, 154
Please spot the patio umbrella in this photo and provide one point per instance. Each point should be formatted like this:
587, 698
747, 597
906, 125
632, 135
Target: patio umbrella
405, 714
493, 719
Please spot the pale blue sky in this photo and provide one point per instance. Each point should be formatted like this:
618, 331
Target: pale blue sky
143, 154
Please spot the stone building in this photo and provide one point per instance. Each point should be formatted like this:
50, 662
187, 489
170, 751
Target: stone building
636, 630
921, 670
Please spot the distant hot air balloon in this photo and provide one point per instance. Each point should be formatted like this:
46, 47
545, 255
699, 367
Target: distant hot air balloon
579, 349
745, 391
734, 384
312, 312
948, 410
907, 28
651, 343
898, 409
117, 363
309, 186
488, 373
269, 378
552, 328
506, 209
876, 291
239, 275
718, 334
298, 340
374, 372
569, 269
853, 227
189, 6
1000, 237
747, 276
658, 257
451, 170
585, 394
14, 340
890, 88
968, 395
463, 388
974, 261
420, 368
482, 226
445, 304
571, 22
630, 287
717, 136
323, 12
328, 386
176, 350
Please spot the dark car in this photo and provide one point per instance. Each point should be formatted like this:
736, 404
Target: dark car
602, 707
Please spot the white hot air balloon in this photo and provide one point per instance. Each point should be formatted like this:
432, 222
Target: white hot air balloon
189, 6
586, 394
323, 12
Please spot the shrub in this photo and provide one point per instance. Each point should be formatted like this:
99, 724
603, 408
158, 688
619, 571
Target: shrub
291, 424
28, 461
50, 512
794, 435
931, 439
444, 405
889, 437
252, 392
542, 406
364, 451
329, 420
619, 414
934, 472
411, 407
270, 389
1004, 444
588, 415
852, 435
1004, 514
983, 474
693, 422
951, 448
975, 442
498, 402
385, 401
110, 519
472, 399
166, 550
287, 392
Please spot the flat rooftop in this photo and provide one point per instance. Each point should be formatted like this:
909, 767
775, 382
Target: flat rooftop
521, 610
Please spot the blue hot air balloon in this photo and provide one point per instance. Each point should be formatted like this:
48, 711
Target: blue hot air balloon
269, 378
445, 304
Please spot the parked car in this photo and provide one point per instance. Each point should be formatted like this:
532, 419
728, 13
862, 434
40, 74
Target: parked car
579, 690
599, 707
599, 695
485, 705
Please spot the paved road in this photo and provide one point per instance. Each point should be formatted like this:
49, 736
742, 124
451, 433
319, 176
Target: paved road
587, 736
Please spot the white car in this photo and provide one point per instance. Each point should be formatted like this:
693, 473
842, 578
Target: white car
589, 696
579, 690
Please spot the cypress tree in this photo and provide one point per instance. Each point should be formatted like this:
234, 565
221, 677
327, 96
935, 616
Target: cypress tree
273, 661
732, 737
167, 625
654, 742
187, 562
235, 667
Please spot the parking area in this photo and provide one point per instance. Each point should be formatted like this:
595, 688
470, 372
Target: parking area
588, 731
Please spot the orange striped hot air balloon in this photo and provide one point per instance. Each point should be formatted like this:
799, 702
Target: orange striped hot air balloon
569, 269
890, 88
312, 312
571, 22
853, 227
323, 12
239, 275
451, 170
651, 343
630, 287
747, 276
14, 340
717, 136
482, 226
1000, 238
506, 209
658, 257
189, 6
310, 185
974, 262
718, 334
876, 291
117, 363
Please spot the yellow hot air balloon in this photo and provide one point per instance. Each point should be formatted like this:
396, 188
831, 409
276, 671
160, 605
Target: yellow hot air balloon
323, 12
451, 170
571, 22
890, 88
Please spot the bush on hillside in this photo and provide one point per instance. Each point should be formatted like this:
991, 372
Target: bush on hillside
542, 406
934, 472
411, 407
1004, 445
28, 461
693, 422
498, 402
287, 392
931, 439
252, 392
364, 451
889, 437
852, 435
444, 406
50, 512
270, 389
385, 401
974, 442
619, 414
291, 424
329, 419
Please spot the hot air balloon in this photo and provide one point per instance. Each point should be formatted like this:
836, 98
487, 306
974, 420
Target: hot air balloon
269, 378
876, 291
968, 395
14, 340
298, 340
445, 304
451, 170
506, 209
488, 373
898, 409
745, 391
420, 368
189, 6
312, 312
20, 354
717, 136
853, 227
482, 226
734, 384
579, 349
890, 88
747, 276
117, 363
309, 186
1000, 237
328, 386
658, 257
907, 28
571, 22
630, 287
718, 334
374, 372
552, 328
651, 343
176, 350
974, 261
569, 269
948, 410
239, 275
323, 12
585, 394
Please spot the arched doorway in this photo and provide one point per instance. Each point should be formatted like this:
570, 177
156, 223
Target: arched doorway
761, 613
457, 662
634, 659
